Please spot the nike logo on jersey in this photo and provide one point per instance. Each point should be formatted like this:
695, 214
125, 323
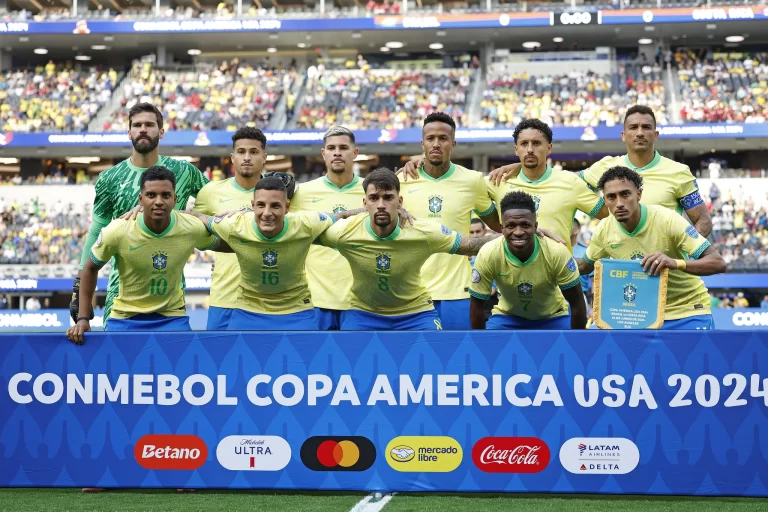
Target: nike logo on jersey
355, 246
414, 190
501, 274
136, 248
315, 201
225, 200
123, 185
615, 246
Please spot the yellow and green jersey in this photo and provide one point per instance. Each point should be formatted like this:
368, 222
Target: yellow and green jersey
450, 201
530, 289
272, 278
330, 290
387, 271
665, 182
660, 229
557, 194
215, 198
151, 265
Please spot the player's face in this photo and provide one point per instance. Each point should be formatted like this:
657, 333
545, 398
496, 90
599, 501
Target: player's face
519, 228
532, 147
269, 208
640, 133
622, 198
382, 205
144, 132
248, 157
477, 230
437, 141
158, 198
339, 154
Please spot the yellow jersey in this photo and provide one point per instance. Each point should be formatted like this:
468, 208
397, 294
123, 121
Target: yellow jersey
215, 198
557, 194
387, 271
330, 290
151, 265
531, 289
449, 200
272, 278
665, 182
660, 229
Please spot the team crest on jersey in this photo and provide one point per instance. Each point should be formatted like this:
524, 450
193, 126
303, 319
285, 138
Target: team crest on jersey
339, 209
323, 217
571, 265
269, 258
691, 232
445, 230
383, 261
435, 205
630, 292
536, 200
525, 288
159, 260
637, 256
476, 276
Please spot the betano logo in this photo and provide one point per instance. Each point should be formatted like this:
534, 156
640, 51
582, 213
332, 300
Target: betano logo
170, 451
337, 453
424, 454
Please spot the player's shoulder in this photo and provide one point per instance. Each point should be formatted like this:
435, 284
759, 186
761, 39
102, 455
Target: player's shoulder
553, 249
186, 220
467, 174
114, 172
604, 164
568, 177
306, 217
669, 165
177, 166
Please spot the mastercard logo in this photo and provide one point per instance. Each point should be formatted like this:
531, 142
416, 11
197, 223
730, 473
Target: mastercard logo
338, 453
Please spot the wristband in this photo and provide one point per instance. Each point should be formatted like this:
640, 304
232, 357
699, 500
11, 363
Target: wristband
83, 318
680, 264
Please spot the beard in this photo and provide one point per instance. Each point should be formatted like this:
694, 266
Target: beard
382, 222
144, 146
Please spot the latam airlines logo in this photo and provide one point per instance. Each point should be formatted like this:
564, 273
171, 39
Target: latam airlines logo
170, 451
511, 454
599, 455
253, 453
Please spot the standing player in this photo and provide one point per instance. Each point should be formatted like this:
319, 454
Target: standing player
537, 278
667, 183
386, 261
659, 238
150, 252
117, 190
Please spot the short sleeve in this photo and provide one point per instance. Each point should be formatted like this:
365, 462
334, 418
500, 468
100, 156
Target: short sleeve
224, 227
591, 176
203, 202
103, 203
595, 249
688, 196
106, 245
483, 205
320, 222
482, 275
492, 191
566, 270
331, 237
442, 239
197, 180
203, 239
587, 200
688, 240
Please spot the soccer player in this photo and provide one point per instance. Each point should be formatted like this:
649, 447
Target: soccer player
117, 190
537, 278
386, 260
667, 183
150, 252
248, 158
271, 247
340, 190
659, 238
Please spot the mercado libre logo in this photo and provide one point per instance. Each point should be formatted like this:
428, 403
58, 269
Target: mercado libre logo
170, 451
338, 453
424, 454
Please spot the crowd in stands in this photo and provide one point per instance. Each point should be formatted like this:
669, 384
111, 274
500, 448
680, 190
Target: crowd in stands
53, 98
208, 97
723, 87
573, 99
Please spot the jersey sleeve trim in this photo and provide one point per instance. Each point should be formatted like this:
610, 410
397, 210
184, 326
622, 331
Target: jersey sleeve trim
703, 247
486, 212
690, 201
478, 296
456, 244
588, 260
212, 244
96, 260
584, 178
568, 286
597, 208
100, 219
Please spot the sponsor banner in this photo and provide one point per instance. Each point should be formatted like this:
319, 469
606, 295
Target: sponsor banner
58, 320
745, 319
587, 412
719, 14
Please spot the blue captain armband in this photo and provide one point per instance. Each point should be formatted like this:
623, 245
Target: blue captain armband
692, 200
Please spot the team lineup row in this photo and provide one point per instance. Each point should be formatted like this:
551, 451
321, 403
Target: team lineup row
390, 271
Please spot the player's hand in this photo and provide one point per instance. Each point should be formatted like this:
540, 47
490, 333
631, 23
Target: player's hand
405, 217
411, 168
504, 173
74, 306
131, 215
549, 234
653, 263
75, 333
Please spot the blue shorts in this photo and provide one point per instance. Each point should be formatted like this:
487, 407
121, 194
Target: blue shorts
692, 323
328, 319
246, 321
500, 321
218, 318
454, 314
149, 322
356, 320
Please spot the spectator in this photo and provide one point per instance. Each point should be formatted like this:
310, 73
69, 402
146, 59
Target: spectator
33, 304
764, 302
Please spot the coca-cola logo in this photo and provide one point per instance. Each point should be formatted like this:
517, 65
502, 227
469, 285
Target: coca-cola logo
511, 454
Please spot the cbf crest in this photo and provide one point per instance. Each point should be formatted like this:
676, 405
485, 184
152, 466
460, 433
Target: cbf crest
339, 209
435, 205
630, 292
636, 255
536, 200
383, 262
525, 288
159, 260
269, 258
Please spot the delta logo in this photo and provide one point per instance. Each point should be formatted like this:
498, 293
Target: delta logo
511, 454
338, 453
424, 454
170, 452
599, 455
253, 453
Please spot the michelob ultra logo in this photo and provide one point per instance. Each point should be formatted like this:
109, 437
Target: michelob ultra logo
424, 454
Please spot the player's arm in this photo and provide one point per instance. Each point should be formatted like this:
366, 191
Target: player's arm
484, 206
690, 200
701, 219
476, 313
703, 259
480, 289
575, 297
88, 278
506, 172
470, 246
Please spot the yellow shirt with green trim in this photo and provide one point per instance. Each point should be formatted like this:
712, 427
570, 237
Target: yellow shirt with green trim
387, 271
531, 289
272, 277
665, 182
151, 265
449, 200
557, 194
330, 290
659, 229
215, 198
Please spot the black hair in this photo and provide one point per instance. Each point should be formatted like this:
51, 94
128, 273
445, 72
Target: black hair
145, 107
620, 173
440, 117
383, 179
157, 173
339, 131
270, 183
476, 220
518, 200
534, 124
640, 109
577, 223
250, 133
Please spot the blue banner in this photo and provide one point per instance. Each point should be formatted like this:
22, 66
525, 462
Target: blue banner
58, 320
743, 319
561, 411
